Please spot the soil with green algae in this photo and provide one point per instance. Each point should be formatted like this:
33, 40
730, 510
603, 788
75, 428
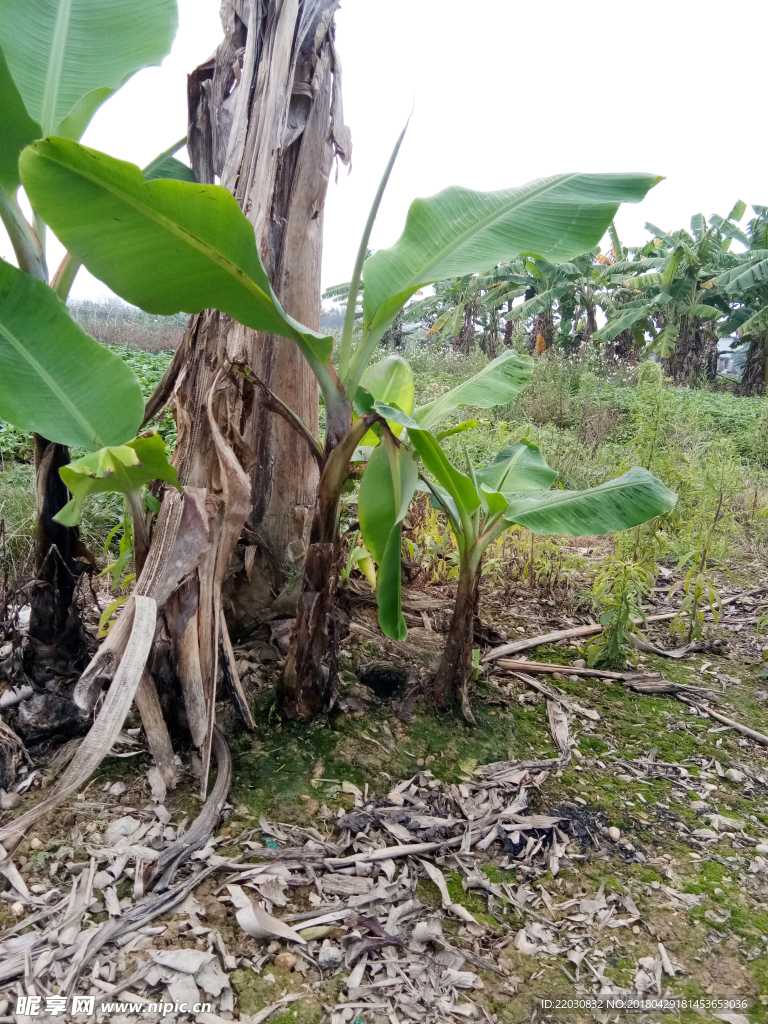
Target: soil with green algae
306, 774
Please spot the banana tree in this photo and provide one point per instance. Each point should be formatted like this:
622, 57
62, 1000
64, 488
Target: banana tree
659, 292
451, 235
173, 245
455, 306
746, 283
59, 61
565, 288
482, 503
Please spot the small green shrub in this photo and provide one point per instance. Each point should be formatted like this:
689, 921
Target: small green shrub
620, 589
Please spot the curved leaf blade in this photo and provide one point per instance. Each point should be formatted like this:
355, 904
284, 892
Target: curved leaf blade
59, 51
169, 167
457, 484
54, 378
17, 129
519, 467
120, 468
458, 232
389, 590
391, 381
740, 279
496, 384
381, 512
630, 500
164, 245
77, 120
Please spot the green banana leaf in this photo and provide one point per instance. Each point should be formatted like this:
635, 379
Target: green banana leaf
169, 167
643, 281
458, 232
757, 322
496, 384
54, 378
519, 467
166, 246
701, 311
741, 279
631, 316
391, 381
74, 124
459, 428
381, 511
538, 304
658, 233
619, 504
729, 229
60, 52
17, 129
123, 468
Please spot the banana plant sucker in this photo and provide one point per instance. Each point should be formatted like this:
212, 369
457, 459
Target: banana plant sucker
473, 536
514, 489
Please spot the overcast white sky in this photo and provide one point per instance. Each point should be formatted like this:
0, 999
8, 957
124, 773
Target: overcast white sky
504, 92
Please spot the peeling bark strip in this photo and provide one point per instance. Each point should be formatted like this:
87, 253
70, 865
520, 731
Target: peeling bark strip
98, 742
265, 116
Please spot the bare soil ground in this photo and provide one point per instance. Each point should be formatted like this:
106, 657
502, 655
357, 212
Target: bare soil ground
659, 883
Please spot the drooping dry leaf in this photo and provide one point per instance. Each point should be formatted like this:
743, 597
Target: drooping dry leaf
260, 925
186, 961
436, 875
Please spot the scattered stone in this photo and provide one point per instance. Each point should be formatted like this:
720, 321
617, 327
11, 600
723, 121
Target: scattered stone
329, 957
36, 844
286, 959
614, 833
17, 909
735, 775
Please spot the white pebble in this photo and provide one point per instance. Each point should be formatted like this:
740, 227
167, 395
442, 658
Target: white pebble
614, 833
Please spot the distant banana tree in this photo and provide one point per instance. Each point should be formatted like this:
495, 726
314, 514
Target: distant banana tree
560, 301
458, 306
746, 284
659, 292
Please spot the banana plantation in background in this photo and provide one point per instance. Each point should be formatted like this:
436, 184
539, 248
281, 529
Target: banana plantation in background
686, 298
